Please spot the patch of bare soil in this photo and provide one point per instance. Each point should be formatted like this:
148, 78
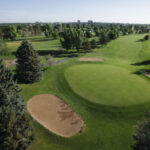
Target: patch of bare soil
91, 59
10, 62
55, 115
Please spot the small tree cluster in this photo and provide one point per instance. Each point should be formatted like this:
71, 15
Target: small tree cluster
47, 29
9, 32
71, 38
107, 36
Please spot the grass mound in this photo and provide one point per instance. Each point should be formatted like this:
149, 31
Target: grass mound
107, 85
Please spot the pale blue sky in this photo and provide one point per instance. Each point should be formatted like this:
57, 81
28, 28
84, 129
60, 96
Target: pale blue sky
125, 11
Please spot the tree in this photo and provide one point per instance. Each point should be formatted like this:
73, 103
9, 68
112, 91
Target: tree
146, 37
78, 40
15, 128
47, 29
1, 34
112, 35
9, 91
88, 33
55, 34
87, 45
104, 38
142, 136
66, 39
10, 32
28, 66
36, 29
93, 44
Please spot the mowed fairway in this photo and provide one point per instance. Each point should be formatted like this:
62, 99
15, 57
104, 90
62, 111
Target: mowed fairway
111, 83
108, 85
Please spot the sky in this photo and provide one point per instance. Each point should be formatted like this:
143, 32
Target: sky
122, 11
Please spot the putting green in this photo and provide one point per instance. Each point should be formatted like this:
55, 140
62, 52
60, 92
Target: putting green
107, 85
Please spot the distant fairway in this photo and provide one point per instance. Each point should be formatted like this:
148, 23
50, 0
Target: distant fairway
108, 85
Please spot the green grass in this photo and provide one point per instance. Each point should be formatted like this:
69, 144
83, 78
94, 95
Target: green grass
108, 85
107, 127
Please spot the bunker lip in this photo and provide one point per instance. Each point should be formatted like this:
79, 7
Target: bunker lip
91, 59
55, 115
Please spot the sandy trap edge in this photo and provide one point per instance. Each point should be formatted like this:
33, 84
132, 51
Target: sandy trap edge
90, 59
55, 115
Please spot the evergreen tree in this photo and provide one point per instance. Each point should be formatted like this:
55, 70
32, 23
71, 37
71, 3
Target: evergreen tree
9, 91
15, 128
28, 66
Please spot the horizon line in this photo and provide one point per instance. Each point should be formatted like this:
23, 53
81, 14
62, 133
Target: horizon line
33, 22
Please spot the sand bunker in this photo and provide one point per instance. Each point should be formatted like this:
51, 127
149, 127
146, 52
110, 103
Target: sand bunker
91, 59
10, 62
55, 115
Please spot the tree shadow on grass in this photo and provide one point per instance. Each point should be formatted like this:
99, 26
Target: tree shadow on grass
40, 40
142, 71
56, 53
141, 40
146, 62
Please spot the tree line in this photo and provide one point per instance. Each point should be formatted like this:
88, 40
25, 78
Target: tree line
14, 31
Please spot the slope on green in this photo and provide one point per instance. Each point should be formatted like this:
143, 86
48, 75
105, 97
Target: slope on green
108, 85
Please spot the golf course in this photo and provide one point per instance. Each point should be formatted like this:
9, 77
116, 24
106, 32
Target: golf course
110, 96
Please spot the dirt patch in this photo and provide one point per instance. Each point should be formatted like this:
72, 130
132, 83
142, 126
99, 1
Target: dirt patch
92, 59
55, 115
10, 62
